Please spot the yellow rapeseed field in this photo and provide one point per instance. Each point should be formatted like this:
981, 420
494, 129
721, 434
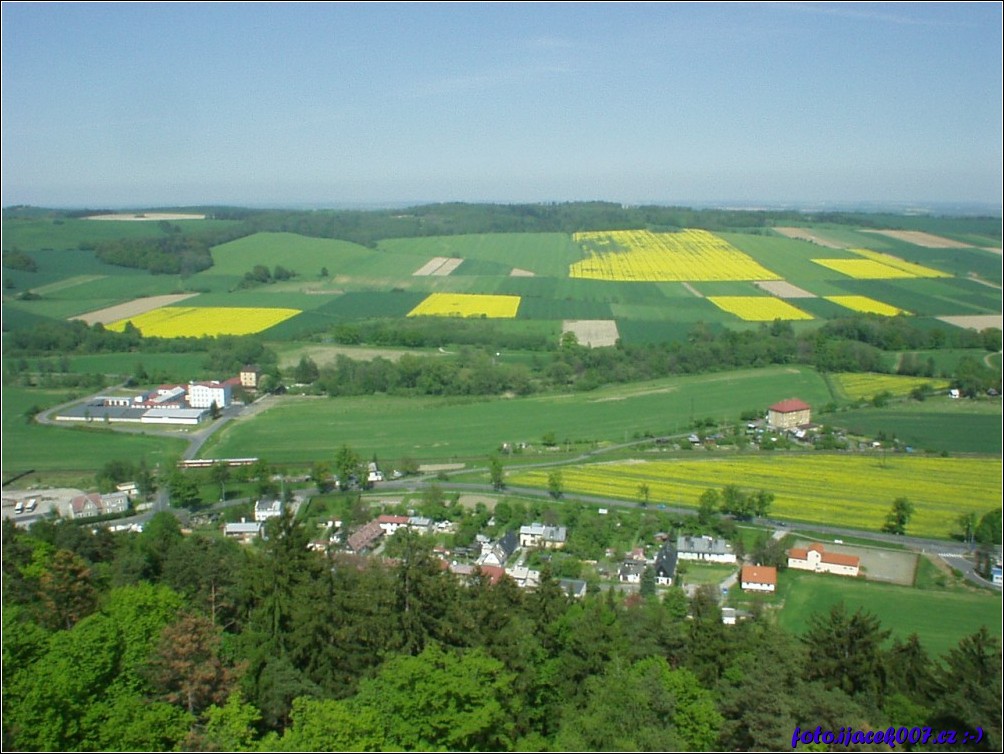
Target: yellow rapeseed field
758, 308
915, 270
639, 255
197, 321
877, 266
865, 304
846, 490
467, 305
864, 269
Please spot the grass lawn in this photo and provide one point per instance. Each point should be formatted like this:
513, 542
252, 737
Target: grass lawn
941, 618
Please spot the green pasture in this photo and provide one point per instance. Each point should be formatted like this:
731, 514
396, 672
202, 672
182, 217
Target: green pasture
304, 430
36, 235
678, 310
945, 360
548, 254
641, 331
264, 297
902, 610
57, 266
70, 449
937, 424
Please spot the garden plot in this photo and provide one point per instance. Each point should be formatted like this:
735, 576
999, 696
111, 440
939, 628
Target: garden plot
132, 308
593, 333
783, 289
438, 267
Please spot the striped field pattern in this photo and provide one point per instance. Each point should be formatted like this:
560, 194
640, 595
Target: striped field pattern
640, 255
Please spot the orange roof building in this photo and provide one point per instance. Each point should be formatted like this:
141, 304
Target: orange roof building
815, 558
758, 578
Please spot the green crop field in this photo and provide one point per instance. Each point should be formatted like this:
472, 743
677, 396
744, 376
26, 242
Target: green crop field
940, 424
303, 430
856, 490
65, 449
902, 610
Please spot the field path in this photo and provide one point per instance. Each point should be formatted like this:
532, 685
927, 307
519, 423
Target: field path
693, 290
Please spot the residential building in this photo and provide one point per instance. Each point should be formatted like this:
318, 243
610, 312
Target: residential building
365, 537
574, 588
265, 509
704, 548
541, 535
115, 502
249, 375
498, 552
86, 506
816, 558
244, 530
665, 565
790, 413
525, 578
758, 578
391, 524
630, 572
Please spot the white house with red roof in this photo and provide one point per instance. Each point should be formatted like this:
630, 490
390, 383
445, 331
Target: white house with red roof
789, 414
758, 578
815, 558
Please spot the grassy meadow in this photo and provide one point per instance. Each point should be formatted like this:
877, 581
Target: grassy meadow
903, 610
303, 430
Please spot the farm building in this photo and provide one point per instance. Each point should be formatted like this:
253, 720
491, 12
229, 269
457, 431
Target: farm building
789, 414
758, 578
243, 530
816, 558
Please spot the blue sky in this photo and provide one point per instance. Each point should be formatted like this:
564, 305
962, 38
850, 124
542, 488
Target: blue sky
153, 104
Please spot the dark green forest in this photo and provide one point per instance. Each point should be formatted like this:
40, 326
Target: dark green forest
161, 640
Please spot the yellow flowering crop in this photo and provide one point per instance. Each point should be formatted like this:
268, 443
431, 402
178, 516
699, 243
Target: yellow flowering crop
864, 269
854, 490
630, 255
758, 308
915, 270
467, 305
865, 304
197, 321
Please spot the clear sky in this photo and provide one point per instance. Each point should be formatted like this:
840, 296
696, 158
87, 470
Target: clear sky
156, 104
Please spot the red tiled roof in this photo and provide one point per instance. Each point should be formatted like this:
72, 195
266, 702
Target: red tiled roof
790, 405
759, 575
388, 519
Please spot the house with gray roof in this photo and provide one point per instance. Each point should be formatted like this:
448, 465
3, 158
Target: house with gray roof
705, 549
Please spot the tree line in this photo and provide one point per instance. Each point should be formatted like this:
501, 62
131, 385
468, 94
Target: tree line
160, 640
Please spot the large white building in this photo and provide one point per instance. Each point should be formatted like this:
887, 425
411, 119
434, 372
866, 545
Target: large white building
816, 558
205, 394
